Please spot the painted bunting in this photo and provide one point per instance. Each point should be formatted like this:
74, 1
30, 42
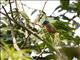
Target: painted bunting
48, 27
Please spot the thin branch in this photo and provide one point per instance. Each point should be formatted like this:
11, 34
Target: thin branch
17, 9
17, 13
11, 9
26, 40
16, 4
22, 6
44, 5
40, 53
36, 24
4, 4
3, 13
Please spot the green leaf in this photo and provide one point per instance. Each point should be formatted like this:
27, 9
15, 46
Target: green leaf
64, 4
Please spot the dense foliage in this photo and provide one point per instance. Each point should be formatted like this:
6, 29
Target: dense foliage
19, 39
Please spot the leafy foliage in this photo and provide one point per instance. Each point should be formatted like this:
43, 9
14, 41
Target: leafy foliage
30, 39
8, 52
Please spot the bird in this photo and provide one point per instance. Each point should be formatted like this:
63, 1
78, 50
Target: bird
47, 26
53, 32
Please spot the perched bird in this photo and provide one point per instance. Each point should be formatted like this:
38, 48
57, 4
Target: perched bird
55, 35
48, 27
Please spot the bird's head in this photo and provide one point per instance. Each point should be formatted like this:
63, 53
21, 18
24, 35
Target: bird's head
45, 22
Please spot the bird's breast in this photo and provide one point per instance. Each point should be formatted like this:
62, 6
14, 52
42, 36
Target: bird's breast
49, 28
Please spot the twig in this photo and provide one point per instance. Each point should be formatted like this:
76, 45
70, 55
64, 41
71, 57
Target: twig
36, 24
11, 9
22, 6
3, 13
41, 15
4, 4
40, 53
44, 5
26, 40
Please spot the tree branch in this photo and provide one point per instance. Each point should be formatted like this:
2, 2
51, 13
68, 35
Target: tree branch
44, 5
